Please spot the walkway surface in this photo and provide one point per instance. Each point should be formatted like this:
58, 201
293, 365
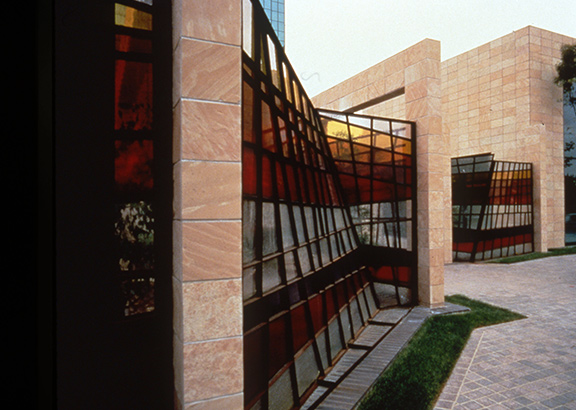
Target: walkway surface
368, 356
526, 364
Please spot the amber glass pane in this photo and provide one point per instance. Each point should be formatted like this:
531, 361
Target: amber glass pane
133, 100
133, 18
268, 140
247, 113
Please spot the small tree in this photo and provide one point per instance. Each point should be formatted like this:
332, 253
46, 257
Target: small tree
566, 79
566, 70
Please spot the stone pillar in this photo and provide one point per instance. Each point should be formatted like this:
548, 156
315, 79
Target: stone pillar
423, 106
208, 361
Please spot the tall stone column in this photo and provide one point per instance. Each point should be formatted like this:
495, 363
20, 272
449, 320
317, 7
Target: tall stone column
423, 106
208, 359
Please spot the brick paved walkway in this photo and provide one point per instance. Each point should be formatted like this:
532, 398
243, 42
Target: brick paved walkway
526, 364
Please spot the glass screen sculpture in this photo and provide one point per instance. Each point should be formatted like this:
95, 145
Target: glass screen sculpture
375, 161
492, 208
307, 288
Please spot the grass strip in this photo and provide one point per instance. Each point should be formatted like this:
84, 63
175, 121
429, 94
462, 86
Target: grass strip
416, 377
569, 250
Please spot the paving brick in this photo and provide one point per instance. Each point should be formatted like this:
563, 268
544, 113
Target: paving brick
526, 364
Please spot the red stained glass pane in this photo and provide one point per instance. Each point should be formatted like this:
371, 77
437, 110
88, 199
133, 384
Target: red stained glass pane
311, 186
341, 294
133, 165
133, 100
383, 191
316, 310
299, 328
291, 182
267, 183
383, 172
130, 44
255, 380
280, 182
330, 310
248, 171
247, 114
279, 354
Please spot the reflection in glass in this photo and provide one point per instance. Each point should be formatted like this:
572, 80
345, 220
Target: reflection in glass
134, 229
138, 295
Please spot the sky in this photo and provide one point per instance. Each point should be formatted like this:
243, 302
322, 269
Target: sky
328, 41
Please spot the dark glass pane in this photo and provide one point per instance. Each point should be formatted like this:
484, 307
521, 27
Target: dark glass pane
138, 296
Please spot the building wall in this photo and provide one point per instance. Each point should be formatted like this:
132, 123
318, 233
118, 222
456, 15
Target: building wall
207, 205
409, 82
500, 98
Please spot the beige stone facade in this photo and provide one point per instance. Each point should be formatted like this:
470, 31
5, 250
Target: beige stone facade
501, 98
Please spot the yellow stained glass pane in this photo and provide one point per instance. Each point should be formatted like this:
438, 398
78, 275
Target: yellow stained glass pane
359, 133
133, 18
336, 129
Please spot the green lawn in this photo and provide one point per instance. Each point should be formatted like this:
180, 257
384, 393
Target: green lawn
569, 250
416, 377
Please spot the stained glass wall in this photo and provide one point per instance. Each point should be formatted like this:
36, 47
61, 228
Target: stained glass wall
492, 208
375, 161
134, 155
310, 250
305, 294
113, 197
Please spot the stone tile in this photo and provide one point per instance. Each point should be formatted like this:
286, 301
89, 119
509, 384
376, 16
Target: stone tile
213, 369
211, 250
210, 131
212, 309
208, 190
210, 71
215, 20
235, 402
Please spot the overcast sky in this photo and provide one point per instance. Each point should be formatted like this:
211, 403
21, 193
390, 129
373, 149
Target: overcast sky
328, 41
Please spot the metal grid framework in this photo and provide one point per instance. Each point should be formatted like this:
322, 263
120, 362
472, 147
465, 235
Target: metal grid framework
375, 161
307, 289
491, 208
